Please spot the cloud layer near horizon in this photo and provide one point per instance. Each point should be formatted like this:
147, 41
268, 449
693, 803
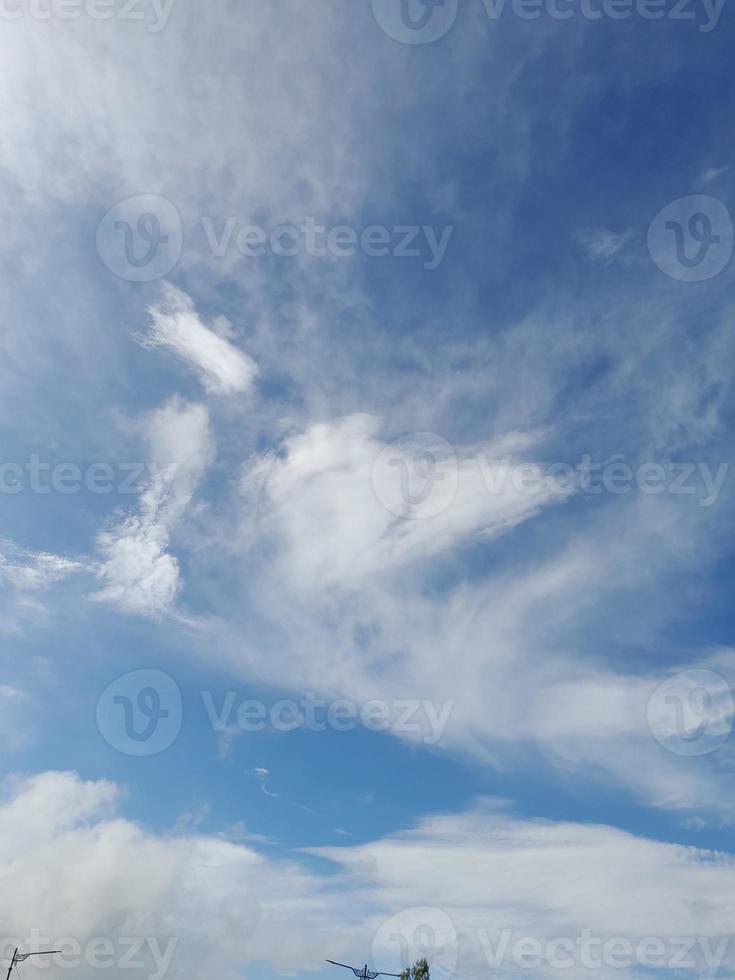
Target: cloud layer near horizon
74, 867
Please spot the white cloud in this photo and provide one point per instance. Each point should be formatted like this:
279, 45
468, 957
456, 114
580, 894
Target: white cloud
342, 505
33, 570
139, 574
25, 578
336, 574
603, 244
713, 173
491, 871
72, 866
76, 868
128, 144
222, 367
346, 604
524, 643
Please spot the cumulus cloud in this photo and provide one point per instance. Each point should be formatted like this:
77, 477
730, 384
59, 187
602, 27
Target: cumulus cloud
72, 868
75, 868
221, 366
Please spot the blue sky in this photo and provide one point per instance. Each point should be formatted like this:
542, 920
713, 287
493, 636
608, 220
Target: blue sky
347, 363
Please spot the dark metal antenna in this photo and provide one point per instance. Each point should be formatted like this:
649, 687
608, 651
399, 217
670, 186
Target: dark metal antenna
22, 957
362, 972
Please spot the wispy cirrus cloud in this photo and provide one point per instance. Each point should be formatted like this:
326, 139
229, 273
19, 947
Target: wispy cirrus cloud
138, 573
31, 571
26, 578
603, 245
343, 504
221, 367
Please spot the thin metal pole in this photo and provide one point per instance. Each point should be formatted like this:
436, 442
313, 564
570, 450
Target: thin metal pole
12, 963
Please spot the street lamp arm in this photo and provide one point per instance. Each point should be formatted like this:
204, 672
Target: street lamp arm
41, 952
22, 957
